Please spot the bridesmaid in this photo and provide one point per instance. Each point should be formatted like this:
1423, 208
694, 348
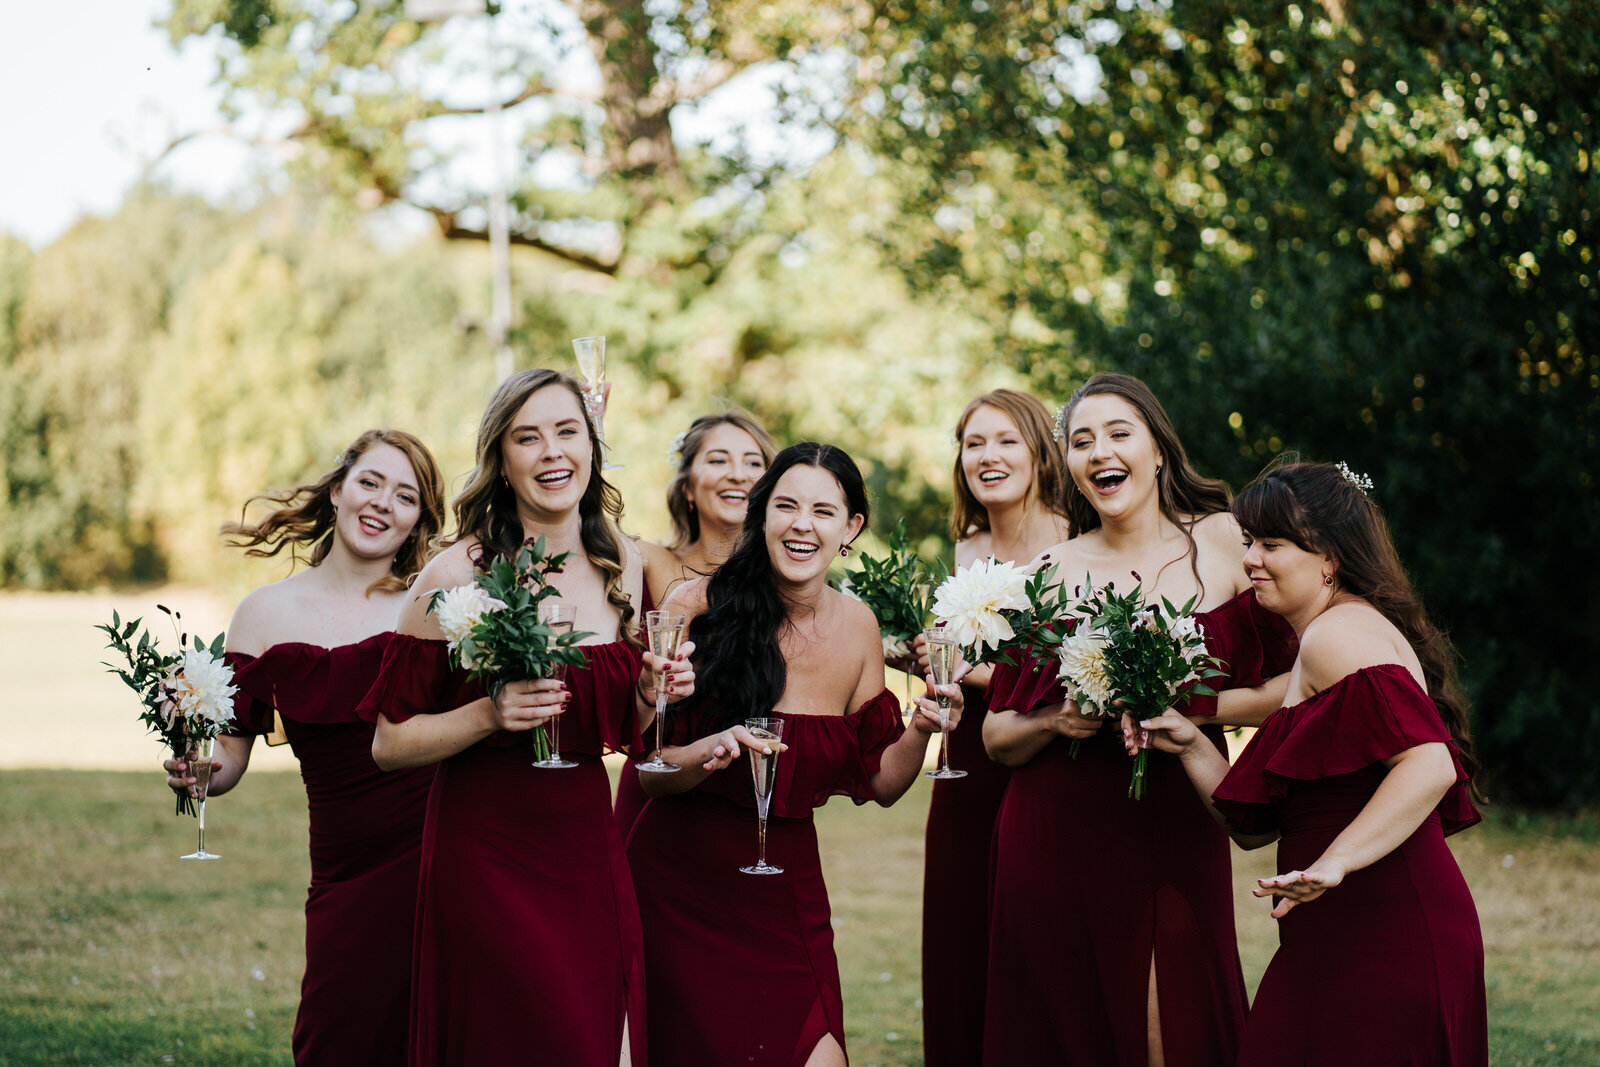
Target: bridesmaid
308, 647
1142, 967
741, 967
1009, 481
528, 941
719, 458
1359, 780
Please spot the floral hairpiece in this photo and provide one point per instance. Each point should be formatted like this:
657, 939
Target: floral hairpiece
675, 450
1360, 481
1055, 423
343, 458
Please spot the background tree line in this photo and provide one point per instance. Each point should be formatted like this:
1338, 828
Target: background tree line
1363, 232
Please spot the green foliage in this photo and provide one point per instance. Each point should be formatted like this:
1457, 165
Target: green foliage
1356, 230
894, 587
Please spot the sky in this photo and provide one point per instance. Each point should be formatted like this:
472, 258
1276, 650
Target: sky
90, 91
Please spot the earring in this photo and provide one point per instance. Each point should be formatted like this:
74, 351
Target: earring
691, 502
1327, 579
844, 550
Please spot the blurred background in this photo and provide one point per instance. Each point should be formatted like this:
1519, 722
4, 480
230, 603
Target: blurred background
236, 233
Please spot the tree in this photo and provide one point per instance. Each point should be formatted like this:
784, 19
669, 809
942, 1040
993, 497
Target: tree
1364, 231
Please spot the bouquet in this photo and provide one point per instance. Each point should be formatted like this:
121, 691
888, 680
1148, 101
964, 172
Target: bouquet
493, 627
1123, 657
187, 695
896, 589
994, 608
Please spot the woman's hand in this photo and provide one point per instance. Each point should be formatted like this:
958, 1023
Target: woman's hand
1068, 721
725, 747
679, 676
520, 706
180, 776
927, 719
1167, 732
1299, 887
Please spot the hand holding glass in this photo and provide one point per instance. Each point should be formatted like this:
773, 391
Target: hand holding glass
591, 356
559, 616
664, 632
764, 772
198, 759
942, 651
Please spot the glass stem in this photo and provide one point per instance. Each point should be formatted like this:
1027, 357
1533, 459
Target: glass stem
555, 737
761, 840
661, 712
944, 734
200, 816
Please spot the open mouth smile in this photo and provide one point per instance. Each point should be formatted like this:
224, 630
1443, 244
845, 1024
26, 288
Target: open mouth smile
1108, 480
993, 477
800, 549
554, 479
371, 525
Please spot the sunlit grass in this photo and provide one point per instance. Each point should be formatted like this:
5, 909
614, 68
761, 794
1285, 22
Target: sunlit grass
114, 952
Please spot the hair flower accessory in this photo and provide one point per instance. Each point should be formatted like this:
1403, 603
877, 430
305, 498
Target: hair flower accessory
1360, 481
675, 450
1056, 433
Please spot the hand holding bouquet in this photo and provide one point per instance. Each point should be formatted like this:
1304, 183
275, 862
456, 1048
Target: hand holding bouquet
493, 626
187, 695
1123, 657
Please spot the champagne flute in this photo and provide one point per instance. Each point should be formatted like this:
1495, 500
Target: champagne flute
942, 650
664, 631
764, 772
198, 758
559, 616
591, 356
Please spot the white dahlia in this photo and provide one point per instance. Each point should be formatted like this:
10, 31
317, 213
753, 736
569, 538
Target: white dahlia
1083, 667
459, 610
895, 647
970, 602
201, 686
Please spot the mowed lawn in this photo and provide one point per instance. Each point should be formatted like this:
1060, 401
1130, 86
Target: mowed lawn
114, 952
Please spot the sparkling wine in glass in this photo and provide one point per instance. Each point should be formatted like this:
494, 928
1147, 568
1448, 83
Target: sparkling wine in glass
942, 651
764, 772
664, 632
915, 686
559, 616
591, 356
198, 758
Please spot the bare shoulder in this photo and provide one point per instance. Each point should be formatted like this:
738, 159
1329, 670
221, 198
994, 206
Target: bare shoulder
858, 632
258, 617
1347, 638
656, 557
447, 570
971, 549
688, 598
1218, 530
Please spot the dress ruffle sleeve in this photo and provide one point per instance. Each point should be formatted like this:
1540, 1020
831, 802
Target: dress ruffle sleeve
416, 678
1362, 719
309, 683
1252, 643
250, 716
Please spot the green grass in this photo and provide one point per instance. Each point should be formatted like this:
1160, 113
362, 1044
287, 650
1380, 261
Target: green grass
113, 952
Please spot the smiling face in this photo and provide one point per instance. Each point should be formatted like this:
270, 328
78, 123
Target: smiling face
546, 454
1112, 456
1288, 580
378, 503
807, 522
995, 459
720, 477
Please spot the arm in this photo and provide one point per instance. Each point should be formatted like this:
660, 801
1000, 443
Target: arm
902, 761
699, 759
1205, 766
1013, 739
230, 758
1418, 778
1248, 706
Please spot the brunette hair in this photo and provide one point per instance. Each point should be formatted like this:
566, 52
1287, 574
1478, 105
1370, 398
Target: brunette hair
685, 520
738, 663
487, 507
1183, 496
967, 516
1316, 506
305, 516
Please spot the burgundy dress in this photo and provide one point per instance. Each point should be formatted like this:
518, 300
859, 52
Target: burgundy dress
741, 967
955, 892
528, 944
366, 836
1090, 885
1387, 966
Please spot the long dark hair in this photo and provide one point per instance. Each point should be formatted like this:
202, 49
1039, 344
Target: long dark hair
1183, 496
304, 516
685, 520
1315, 506
739, 666
967, 516
487, 508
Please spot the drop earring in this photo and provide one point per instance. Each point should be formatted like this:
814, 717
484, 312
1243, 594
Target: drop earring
1327, 579
844, 550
